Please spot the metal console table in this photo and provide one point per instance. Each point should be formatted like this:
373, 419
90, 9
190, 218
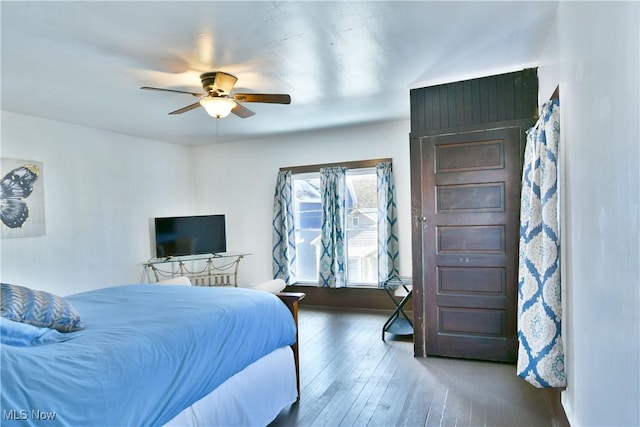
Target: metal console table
398, 323
202, 270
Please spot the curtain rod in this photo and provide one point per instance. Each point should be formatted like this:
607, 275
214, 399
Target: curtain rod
349, 165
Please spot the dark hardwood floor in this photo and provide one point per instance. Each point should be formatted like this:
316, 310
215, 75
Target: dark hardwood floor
350, 377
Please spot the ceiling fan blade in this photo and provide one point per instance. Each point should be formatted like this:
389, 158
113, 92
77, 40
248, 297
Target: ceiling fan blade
263, 97
187, 108
199, 95
242, 111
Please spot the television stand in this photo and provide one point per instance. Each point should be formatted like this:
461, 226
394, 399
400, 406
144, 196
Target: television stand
203, 270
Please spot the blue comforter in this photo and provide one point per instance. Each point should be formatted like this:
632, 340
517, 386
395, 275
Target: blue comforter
146, 353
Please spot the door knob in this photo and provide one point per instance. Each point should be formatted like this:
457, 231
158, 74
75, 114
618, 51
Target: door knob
422, 218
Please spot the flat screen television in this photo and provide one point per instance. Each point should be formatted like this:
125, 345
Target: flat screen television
190, 235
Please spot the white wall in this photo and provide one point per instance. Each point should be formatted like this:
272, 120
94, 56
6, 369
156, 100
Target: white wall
593, 52
101, 189
238, 179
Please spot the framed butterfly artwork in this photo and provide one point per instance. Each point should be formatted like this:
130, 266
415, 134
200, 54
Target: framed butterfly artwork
21, 198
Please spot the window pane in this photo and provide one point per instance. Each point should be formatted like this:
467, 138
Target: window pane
307, 223
362, 227
361, 223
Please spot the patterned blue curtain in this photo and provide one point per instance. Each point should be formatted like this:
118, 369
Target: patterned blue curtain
333, 262
283, 234
387, 225
541, 353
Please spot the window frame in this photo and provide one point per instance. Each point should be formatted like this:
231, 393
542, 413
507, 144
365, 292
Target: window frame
309, 171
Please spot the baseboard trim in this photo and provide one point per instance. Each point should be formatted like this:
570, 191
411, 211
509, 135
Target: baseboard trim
568, 410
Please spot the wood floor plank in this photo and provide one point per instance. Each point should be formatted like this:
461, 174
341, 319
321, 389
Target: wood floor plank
350, 377
390, 409
415, 408
368, 400
351, 390
332, 366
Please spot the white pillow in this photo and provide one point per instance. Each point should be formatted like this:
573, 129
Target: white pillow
180, 280
273, 286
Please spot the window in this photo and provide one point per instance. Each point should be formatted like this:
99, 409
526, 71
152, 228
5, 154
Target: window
361, 220
351, 252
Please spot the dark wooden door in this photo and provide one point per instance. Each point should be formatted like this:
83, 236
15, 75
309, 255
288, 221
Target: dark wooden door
466, 202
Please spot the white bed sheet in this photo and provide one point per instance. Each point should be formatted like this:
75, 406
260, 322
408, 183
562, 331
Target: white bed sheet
252, 397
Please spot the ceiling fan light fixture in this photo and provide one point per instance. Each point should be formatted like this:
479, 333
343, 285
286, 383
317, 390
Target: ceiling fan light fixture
218, 107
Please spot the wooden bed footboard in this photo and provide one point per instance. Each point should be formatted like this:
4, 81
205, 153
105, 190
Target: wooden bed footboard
291, 300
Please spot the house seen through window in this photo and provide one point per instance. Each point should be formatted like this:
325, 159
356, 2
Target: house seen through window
361, 222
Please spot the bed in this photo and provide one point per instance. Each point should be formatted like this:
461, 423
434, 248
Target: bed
156, 355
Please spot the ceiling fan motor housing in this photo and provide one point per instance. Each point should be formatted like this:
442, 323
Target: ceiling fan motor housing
217, 82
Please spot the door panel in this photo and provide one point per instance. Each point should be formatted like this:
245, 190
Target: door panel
477, 155
469, 197
487, 197
470, 239
481, 280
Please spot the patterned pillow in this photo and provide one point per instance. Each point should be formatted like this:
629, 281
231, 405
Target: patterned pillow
38, 308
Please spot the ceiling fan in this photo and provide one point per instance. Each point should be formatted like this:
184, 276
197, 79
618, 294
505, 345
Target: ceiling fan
219, 102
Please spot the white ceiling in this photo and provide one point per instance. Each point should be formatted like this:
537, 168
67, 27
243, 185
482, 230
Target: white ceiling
343, 63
